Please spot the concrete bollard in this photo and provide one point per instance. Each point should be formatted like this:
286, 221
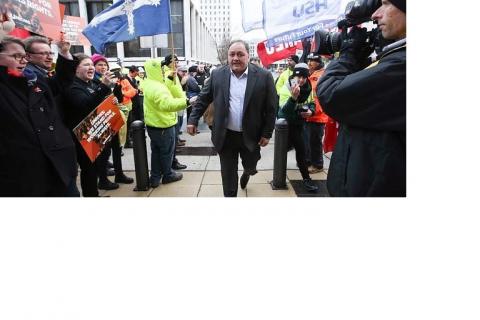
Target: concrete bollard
279, 181
137, 128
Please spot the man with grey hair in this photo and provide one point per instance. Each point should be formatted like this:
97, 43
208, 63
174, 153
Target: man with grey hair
244, 115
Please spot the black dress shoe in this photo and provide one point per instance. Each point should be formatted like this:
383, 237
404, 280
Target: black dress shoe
110, 172
109, 164
122, 178
244, 180
178, 166
181, 140
309, 185
107, 185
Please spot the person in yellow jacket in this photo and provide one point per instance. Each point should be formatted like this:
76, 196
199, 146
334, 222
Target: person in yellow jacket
162, 100
283, 78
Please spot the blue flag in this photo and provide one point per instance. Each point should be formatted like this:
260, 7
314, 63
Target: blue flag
128, 19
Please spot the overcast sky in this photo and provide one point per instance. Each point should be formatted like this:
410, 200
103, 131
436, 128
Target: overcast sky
236, 23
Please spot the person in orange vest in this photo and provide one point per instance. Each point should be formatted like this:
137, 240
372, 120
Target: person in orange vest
315, 124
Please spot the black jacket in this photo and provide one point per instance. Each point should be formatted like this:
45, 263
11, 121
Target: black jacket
82, 98
36, 149
370, 155
259, 107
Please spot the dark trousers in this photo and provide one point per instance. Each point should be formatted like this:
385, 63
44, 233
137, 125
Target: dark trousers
314, 147
113, 147
88, 172
232, 147
296, 139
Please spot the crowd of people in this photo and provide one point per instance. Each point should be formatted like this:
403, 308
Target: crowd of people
39, 154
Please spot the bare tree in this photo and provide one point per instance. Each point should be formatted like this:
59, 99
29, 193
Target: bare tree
222, 50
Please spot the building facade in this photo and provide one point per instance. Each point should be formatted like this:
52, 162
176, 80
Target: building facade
216, 14
191, 38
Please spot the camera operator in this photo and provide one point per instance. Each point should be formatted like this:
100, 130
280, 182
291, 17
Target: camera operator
370, 104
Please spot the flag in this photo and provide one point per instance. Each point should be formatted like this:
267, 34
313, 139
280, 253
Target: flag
128, 19
252, 14
287, 21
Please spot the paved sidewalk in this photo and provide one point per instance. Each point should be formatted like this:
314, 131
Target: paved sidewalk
202, 177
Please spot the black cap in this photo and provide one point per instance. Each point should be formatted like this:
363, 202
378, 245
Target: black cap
400, 4
168, 59
301, 70
133, 69
294, 57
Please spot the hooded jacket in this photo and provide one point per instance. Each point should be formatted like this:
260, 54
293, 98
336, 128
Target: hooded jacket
289, 108
162, 97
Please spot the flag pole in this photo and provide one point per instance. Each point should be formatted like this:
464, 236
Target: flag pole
172, 45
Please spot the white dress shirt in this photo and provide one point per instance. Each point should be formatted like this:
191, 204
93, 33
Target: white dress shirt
238, 86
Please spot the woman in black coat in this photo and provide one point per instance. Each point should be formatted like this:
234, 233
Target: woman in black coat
37, 154
81, 98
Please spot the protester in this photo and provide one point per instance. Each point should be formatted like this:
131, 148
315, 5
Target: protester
40, 62
37, 153
201, 75
114, 146
242, 123
285, 75
183, 76
296, 105
137, 106
82, 97
161, 107
256, 61
370, 104
193, 89
315, 125
174, 85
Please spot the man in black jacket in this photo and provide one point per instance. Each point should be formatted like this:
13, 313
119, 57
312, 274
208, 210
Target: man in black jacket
37, 154
244, 118
370, 104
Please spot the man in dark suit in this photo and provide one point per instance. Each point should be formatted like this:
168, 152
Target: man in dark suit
137, 107
244, 118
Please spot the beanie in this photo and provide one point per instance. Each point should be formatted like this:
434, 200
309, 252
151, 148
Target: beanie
294, 57
301, 70
400, 4
98, 57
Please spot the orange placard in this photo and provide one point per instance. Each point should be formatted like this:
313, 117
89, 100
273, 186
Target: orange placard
37, 16
99, 127
72, 28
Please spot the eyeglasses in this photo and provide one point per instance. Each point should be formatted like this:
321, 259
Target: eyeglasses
46, 53
17, 56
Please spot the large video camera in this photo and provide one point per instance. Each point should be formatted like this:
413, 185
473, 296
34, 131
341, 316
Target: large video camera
356, 12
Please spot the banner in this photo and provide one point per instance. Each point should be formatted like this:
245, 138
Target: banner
269, 55
287, 21
252, 14
98, 128
72, 28
38, 16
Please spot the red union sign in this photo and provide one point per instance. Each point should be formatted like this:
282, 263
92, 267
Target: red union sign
269, 55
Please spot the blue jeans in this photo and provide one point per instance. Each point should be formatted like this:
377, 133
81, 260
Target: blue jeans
162, 144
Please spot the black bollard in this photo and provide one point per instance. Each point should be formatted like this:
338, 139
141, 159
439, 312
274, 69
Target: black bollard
137, 128
279, 181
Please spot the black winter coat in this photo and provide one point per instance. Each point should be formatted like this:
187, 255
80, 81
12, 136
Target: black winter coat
82, 98
370, 154
36, 149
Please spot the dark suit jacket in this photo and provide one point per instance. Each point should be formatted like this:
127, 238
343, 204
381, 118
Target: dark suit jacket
259, 107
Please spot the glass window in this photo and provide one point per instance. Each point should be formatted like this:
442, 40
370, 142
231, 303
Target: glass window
132, 49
